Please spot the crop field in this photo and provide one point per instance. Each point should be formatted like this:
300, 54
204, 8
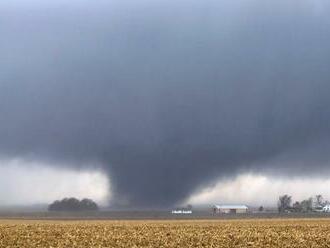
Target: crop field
166, 233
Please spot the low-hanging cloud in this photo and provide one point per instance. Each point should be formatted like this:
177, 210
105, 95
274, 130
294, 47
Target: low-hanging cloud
261, 190
25, 182
166, 95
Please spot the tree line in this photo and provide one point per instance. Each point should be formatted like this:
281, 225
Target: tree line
73, 204
286, 204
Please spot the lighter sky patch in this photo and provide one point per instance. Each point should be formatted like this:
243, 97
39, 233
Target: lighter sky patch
254, 189
25, 182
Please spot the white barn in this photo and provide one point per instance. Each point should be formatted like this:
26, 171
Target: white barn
230, 209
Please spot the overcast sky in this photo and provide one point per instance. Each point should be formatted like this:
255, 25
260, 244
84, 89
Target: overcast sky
164, 98
28, 183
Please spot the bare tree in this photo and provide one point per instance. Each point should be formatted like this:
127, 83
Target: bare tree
307, 205
297, 207
319, 200
284, 203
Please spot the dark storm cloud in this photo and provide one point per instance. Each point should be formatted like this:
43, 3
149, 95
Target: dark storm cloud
166, 95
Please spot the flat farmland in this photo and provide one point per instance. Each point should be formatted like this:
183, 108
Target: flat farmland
166, 233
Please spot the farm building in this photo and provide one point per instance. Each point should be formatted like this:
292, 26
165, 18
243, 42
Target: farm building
326, 208
230, 209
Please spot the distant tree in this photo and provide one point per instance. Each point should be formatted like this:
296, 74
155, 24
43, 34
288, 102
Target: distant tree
55, 206
297, 207
303, 206
189, 207
307, 205
261, 209
73, 204
319, 200
284, 203
88, 204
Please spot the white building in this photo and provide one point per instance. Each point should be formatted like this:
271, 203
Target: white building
326, 208
230, 209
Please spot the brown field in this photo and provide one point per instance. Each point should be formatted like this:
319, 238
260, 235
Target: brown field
166, 233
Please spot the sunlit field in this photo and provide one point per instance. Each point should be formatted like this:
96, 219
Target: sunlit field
167, 233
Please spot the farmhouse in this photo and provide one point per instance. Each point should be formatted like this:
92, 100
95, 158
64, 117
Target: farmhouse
230, 209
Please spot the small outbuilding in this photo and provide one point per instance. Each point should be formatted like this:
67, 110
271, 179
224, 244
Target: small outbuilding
326, 208
230, 209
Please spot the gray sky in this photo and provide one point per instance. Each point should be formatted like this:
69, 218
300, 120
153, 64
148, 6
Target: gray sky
30, 182
166, 96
